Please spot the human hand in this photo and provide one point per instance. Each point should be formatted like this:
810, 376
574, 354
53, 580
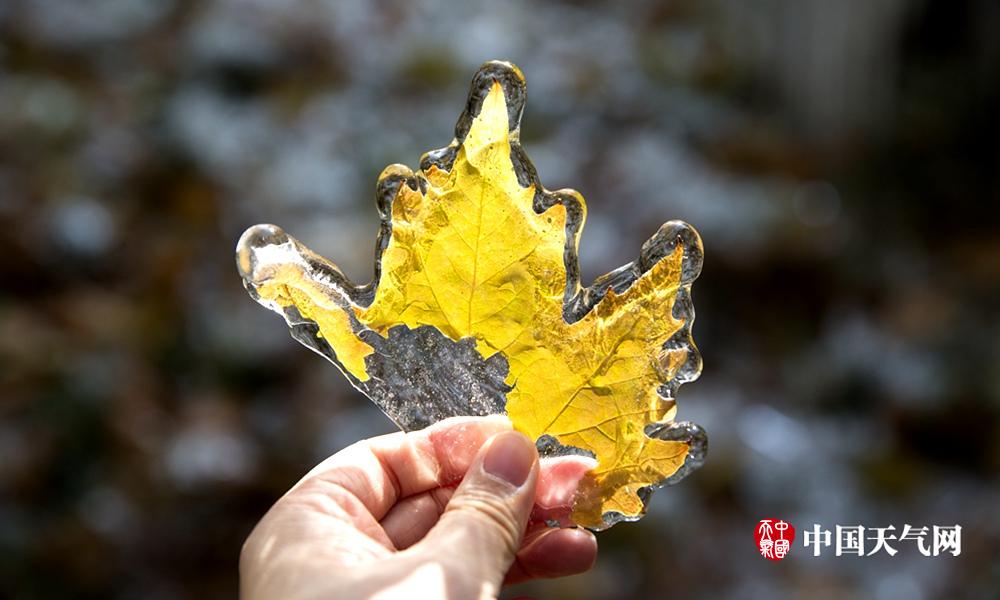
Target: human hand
382, 518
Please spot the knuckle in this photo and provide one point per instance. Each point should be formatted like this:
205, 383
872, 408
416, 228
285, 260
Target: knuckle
491, 513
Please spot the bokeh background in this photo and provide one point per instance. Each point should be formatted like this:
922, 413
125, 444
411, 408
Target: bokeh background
838, 158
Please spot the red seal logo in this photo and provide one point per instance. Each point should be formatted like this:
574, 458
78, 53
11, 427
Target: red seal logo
774, 538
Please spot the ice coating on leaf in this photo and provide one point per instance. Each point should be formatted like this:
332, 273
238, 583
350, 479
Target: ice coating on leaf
476, 308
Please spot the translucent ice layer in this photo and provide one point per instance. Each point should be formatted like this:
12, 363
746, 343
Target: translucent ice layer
476, 308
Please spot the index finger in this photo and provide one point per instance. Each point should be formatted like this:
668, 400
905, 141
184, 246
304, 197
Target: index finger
380, 471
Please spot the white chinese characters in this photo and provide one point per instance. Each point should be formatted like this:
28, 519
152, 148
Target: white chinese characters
774, 538
858, 540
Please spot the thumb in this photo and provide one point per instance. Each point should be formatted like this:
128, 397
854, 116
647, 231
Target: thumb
482, 527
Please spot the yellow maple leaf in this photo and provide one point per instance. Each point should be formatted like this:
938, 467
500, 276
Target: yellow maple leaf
477, 265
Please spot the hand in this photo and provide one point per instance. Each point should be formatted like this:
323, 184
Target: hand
383, 519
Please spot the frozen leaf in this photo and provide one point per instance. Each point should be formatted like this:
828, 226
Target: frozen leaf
476, 308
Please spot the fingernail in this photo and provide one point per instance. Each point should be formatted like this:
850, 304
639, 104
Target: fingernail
510, 457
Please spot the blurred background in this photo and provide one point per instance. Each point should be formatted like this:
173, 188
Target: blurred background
838, 158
